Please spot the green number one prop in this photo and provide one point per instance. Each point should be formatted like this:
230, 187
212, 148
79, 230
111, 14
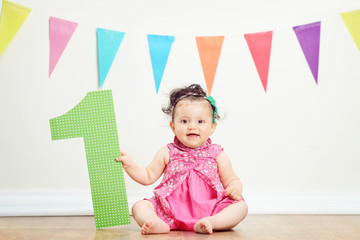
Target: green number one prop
94, 120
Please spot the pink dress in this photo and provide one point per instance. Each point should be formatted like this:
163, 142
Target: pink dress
191, 188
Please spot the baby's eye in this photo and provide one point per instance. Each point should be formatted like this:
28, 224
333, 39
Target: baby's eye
201, 121
184, 121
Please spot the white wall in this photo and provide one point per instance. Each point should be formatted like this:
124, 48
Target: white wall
296, 148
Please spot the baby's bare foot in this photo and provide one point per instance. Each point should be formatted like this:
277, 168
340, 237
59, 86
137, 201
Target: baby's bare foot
203, 226
153, 226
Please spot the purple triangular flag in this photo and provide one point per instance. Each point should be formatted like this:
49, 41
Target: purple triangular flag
309, 39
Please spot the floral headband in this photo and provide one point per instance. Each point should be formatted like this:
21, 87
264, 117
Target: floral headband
212, 101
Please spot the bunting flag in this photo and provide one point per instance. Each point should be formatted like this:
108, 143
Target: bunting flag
209, 51
352, 22
159, 47
260, 47
1, 3
309, 39
108, 43
60, 34
12, 17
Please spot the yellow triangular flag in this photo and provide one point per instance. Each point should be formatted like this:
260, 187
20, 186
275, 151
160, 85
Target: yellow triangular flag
1, 3
12, 17
352, 22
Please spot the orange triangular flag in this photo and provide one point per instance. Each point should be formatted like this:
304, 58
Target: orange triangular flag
209, 51
260, 48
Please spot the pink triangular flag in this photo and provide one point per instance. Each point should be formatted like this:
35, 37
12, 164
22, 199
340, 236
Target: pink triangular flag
60, 34
260, 48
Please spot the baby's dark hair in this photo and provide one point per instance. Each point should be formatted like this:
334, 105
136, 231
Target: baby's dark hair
194, 92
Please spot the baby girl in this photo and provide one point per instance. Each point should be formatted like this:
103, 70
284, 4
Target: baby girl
199, 191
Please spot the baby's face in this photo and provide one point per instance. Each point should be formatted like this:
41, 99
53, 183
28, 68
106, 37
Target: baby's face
193, 122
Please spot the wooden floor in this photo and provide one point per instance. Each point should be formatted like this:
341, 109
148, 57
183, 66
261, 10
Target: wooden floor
277, 227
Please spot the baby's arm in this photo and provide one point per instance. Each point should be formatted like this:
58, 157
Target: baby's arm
231, 183
145, 175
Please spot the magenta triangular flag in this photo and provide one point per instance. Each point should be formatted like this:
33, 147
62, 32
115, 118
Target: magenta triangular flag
60, 34
309, 39
260, 48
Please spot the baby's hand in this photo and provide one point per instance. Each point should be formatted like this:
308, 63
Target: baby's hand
125, 159
234, 192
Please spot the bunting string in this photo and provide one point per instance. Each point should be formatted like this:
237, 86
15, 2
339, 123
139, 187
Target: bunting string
209, 47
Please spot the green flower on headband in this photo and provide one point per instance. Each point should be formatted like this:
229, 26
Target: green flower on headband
212, 101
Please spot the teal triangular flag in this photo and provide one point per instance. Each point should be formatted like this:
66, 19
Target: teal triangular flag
108, 42
159, 52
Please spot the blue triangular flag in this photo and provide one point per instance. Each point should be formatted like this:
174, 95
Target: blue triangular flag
108, 42
159, 52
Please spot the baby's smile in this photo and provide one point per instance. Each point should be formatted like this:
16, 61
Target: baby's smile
193, 135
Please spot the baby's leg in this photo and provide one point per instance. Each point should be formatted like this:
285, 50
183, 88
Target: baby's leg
145, 216
226, 219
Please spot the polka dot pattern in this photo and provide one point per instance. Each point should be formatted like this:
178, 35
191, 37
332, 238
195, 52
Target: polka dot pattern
94, 120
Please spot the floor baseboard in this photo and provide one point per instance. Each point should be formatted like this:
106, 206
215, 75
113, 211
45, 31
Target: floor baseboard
62, 203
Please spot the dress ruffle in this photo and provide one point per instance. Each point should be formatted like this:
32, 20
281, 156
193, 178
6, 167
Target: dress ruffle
191, 179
